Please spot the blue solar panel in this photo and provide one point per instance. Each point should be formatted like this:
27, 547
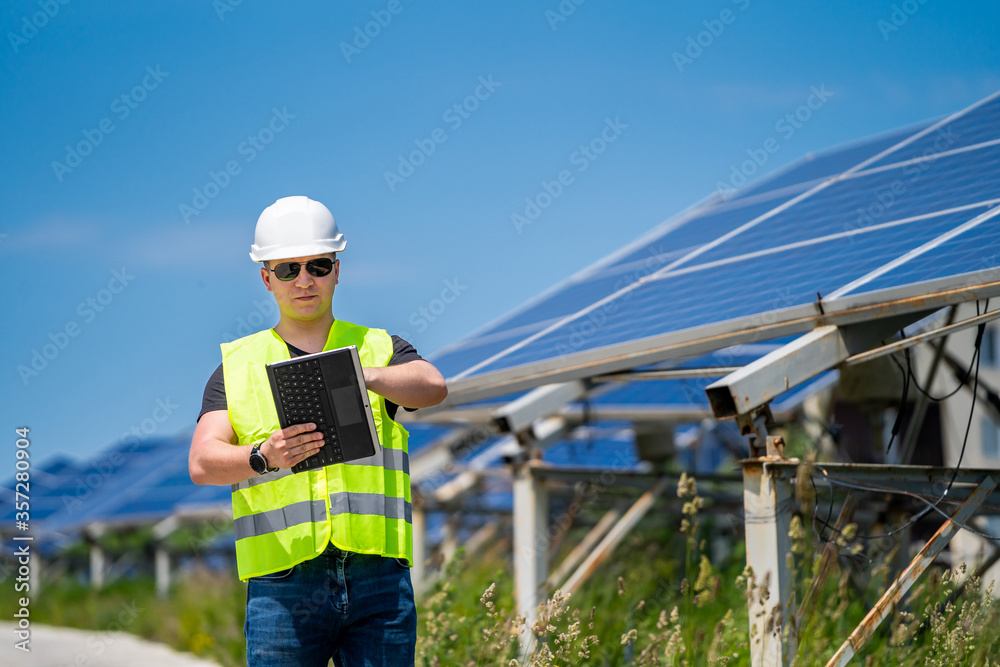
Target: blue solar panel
967, 253
422, 435
973, 127
637, 264
609, 445
874, 199
830, 163
746, 288
864, 208
703, 227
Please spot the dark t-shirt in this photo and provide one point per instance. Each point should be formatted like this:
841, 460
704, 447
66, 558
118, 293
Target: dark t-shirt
215, 390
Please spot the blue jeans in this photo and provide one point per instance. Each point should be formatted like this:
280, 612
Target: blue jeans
356, 608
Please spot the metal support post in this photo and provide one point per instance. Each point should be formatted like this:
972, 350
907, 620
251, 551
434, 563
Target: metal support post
162, 566
96, 566
767, 502
531, 549
901, 585
35, 575
92, 534
449, 545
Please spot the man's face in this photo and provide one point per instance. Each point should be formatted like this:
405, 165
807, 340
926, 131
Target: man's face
305, 297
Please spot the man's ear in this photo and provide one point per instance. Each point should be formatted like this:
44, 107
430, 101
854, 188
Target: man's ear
336, 272
265, 275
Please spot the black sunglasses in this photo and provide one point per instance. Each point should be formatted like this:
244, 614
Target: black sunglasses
316, 267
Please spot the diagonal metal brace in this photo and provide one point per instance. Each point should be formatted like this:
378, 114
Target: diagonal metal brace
909, 576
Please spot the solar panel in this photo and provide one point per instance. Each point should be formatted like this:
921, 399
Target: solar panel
975, 127
813, 168
767, 265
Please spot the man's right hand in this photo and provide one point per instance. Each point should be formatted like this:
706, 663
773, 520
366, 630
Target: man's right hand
285, 448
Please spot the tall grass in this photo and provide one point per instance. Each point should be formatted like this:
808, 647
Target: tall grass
660, 599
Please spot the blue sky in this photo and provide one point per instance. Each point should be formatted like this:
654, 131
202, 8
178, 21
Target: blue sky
141, 141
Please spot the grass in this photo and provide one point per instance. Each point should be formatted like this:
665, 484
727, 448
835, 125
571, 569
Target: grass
659, 600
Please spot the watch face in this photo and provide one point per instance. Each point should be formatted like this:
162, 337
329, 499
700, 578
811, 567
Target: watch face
257, 463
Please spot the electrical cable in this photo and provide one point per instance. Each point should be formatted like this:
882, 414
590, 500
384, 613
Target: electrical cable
931, 505
961, 456
902, 406
962, 381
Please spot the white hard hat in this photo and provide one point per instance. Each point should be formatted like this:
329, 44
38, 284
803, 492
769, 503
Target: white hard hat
295, 227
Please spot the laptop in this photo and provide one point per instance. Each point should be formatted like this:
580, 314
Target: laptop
328, 389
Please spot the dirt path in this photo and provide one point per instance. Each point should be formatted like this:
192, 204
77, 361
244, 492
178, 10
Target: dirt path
66, 647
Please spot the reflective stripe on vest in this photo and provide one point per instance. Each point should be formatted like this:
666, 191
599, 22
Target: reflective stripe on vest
283, 518
390, 459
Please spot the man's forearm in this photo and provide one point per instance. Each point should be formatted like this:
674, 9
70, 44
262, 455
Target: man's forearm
416, 384
214, 461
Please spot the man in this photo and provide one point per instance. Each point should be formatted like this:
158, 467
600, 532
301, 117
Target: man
325, 552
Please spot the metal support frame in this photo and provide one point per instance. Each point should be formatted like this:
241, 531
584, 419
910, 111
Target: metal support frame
92, 533
585, 547
921, 338
826, 560
615, 535
531, 515
905, 452
902, 584
809, 355
161, 561
539, 403
768, 498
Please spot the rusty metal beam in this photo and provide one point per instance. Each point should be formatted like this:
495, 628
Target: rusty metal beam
850, 309
909, 576
809, 355
920, 338
669, 374
826, 559
614, 536
586, 546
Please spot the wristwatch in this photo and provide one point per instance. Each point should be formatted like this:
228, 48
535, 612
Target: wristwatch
258, 462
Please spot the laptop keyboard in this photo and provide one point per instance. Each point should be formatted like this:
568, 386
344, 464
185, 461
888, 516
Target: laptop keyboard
305, 399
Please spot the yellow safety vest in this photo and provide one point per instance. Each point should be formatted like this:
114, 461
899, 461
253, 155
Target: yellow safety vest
284, 518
